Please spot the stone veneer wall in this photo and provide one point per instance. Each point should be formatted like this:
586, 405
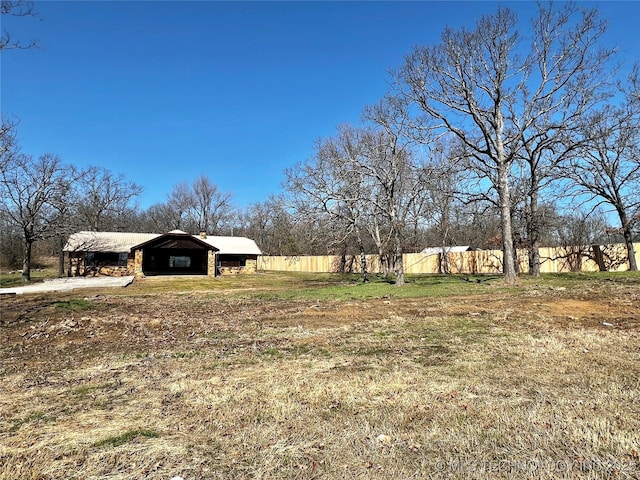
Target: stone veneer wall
137, 263
131, 264
76, 267
109, 271
76, 264
211, 263
251, 266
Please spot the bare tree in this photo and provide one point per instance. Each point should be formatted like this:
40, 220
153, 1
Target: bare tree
273, 228
331, 185
566, 74
105, 199
196, 207
33, 194
444, 180
576, 232
464, 86
8, 142
10, 242
366, 180
163, 217
398, 177
15, 8
10, 235
179, 202
209, 208
504, 99
607, 167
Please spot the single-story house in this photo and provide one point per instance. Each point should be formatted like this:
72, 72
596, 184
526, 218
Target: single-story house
171, 253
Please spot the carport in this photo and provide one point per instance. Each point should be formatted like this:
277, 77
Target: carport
174, 253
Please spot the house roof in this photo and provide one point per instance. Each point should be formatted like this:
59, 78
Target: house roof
124, 242
106, 241
438, 250
233, 245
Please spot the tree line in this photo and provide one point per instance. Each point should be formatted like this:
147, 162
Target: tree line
517, 121
504, 135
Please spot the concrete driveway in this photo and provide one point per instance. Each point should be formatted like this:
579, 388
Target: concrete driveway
67, 284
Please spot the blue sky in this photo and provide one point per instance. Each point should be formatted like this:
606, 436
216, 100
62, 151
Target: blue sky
165, 91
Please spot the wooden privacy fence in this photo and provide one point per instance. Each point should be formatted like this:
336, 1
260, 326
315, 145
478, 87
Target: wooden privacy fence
589, 258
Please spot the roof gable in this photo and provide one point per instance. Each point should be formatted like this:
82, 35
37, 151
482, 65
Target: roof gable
175, 239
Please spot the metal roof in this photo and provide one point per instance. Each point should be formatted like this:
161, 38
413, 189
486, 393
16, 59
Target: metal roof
233, 245
124, 241
106, 241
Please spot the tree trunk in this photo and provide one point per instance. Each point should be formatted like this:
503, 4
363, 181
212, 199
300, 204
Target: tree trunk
443, 257
26, 263
363, 257
443, 266
398, 264
508, 256
384, 262
633, 265
599, 258
342, 268
399, 268
61, 258
628, 240
508, 261
534, 259
363, 266
533, 233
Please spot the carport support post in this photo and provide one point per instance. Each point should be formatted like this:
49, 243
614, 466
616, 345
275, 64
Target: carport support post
211, 263
137, 265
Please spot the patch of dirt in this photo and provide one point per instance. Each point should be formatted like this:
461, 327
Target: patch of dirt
35, 326
620, 311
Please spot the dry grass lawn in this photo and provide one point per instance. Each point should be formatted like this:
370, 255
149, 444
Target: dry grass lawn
285, 376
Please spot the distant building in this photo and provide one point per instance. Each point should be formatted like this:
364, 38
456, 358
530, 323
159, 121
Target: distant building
440, 250
446, 259
172, 253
